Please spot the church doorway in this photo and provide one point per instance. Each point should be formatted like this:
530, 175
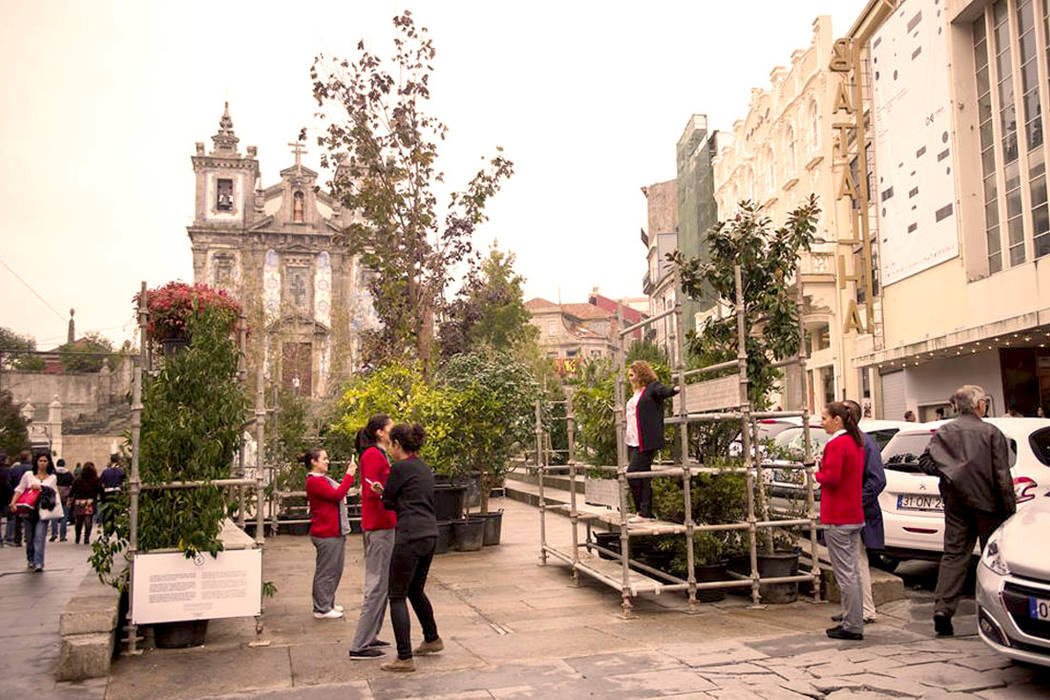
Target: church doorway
296, 368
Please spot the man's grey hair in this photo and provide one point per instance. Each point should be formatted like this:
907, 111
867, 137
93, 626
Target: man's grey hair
967, 398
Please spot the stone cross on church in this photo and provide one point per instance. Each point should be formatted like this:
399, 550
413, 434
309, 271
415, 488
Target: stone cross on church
298, 150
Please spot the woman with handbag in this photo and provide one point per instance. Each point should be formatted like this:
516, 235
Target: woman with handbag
36, 501
83, 496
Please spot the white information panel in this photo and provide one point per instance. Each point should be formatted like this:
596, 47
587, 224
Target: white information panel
168, 587
915, 189
712, 395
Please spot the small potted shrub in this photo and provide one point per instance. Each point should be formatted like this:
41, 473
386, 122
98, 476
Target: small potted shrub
172, 306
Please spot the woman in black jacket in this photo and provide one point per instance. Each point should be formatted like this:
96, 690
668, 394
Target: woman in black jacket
410, 492
644, 417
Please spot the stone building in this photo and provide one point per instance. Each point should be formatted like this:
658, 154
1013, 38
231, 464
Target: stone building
697, 207
779, 153
956, 93
661, 238
573, 332
280, 249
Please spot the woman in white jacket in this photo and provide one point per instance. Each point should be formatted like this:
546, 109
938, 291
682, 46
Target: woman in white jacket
36, 519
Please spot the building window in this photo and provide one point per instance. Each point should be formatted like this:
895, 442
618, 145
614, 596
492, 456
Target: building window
771, 165
224, 194
814, 125
570, 353
552, 328
789, 141
1006, 47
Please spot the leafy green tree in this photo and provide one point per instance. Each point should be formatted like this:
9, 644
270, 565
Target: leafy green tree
13, 434
769, 261
386, 146
489, 311
86, 355
16, 350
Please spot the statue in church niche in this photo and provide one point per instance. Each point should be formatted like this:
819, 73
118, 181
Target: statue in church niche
224, 196
297, 208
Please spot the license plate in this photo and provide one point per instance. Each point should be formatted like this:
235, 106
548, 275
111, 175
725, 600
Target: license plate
1038, 609
918, 502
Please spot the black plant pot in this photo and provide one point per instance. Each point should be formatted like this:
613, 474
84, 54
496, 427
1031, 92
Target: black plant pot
286, 528
468, 534
711, 572
609, 540
179, 635
444, 541
770, 566
493, 526
448, 502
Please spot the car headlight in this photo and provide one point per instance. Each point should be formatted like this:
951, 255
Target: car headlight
992, 557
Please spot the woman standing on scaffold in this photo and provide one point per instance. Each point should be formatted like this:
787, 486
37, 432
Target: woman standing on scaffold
644, 416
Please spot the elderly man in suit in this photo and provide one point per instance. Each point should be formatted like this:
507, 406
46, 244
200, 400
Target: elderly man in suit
971, 458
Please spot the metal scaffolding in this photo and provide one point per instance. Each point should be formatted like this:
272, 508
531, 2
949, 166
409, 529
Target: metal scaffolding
633, 577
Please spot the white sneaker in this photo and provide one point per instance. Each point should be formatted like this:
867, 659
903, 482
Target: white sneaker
637, 519
337, 607
332, 614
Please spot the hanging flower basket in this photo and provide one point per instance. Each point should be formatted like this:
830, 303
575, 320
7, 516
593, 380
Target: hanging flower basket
171, 305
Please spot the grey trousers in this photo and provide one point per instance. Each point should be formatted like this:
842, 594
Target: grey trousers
379, 545
843, 541
963, 528
331, 552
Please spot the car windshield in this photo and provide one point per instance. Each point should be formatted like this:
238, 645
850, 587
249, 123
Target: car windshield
902, 452
794, 439
768, 430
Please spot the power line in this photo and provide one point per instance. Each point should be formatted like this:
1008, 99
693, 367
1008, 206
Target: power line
19, 278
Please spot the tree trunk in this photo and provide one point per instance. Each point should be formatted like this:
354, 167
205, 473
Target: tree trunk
486, 487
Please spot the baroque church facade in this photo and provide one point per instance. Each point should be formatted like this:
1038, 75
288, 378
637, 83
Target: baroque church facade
281, 251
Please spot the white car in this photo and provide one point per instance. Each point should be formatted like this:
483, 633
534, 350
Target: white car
912, 512
1013, 587
793, 439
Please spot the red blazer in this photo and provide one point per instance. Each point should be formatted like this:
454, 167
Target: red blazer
841, 477
324, 500
375, 467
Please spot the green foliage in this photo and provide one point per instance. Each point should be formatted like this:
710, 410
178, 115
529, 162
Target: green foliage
86, 355
192, 415
396, 389
386, 148
489, 311
17, 351
13, 434
769, 261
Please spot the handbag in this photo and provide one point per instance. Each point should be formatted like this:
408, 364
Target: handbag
47, 500
26, 503
83, 507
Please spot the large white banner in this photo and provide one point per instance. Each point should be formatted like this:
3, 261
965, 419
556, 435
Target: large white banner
915, 186
168, 587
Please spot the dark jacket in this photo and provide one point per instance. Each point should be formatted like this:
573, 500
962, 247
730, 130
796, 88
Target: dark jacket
14, 475
650, 416
83, 488
410, 493
874, 482
112, 478
5, 488
972, 459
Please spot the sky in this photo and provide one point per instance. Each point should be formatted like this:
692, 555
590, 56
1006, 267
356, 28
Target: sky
103, 103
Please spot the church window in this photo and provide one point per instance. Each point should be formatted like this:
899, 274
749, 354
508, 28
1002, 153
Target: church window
224, 195
789, 139
297, 211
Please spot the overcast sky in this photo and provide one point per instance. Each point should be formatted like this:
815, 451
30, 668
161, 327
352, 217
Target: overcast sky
103, 102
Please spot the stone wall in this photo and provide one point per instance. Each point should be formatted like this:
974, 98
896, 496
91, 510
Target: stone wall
81, 393
89, 448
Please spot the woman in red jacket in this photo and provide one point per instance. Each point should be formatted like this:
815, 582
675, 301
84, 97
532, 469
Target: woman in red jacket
377, 524
841, 477
329, 526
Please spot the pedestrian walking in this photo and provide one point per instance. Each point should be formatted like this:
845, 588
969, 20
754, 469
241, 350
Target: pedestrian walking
410, 493
13, 529
971, 458
841, 478
83, 496
872, 536
329, 526
64, 478
45, 506
644, 431
112, 479
5, 492
377, 526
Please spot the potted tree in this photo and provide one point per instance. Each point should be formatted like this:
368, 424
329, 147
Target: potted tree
193, 410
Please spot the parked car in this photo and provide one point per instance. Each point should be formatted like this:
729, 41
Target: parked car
765, 429
1013, 586
786, 482
912, 512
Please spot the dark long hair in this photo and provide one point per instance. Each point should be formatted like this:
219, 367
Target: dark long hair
308, 456
50, 462
840, 409
410, 437
89, 475
366, 436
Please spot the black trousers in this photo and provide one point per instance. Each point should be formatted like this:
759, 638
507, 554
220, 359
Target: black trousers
641, 489
963, 527
409, 566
